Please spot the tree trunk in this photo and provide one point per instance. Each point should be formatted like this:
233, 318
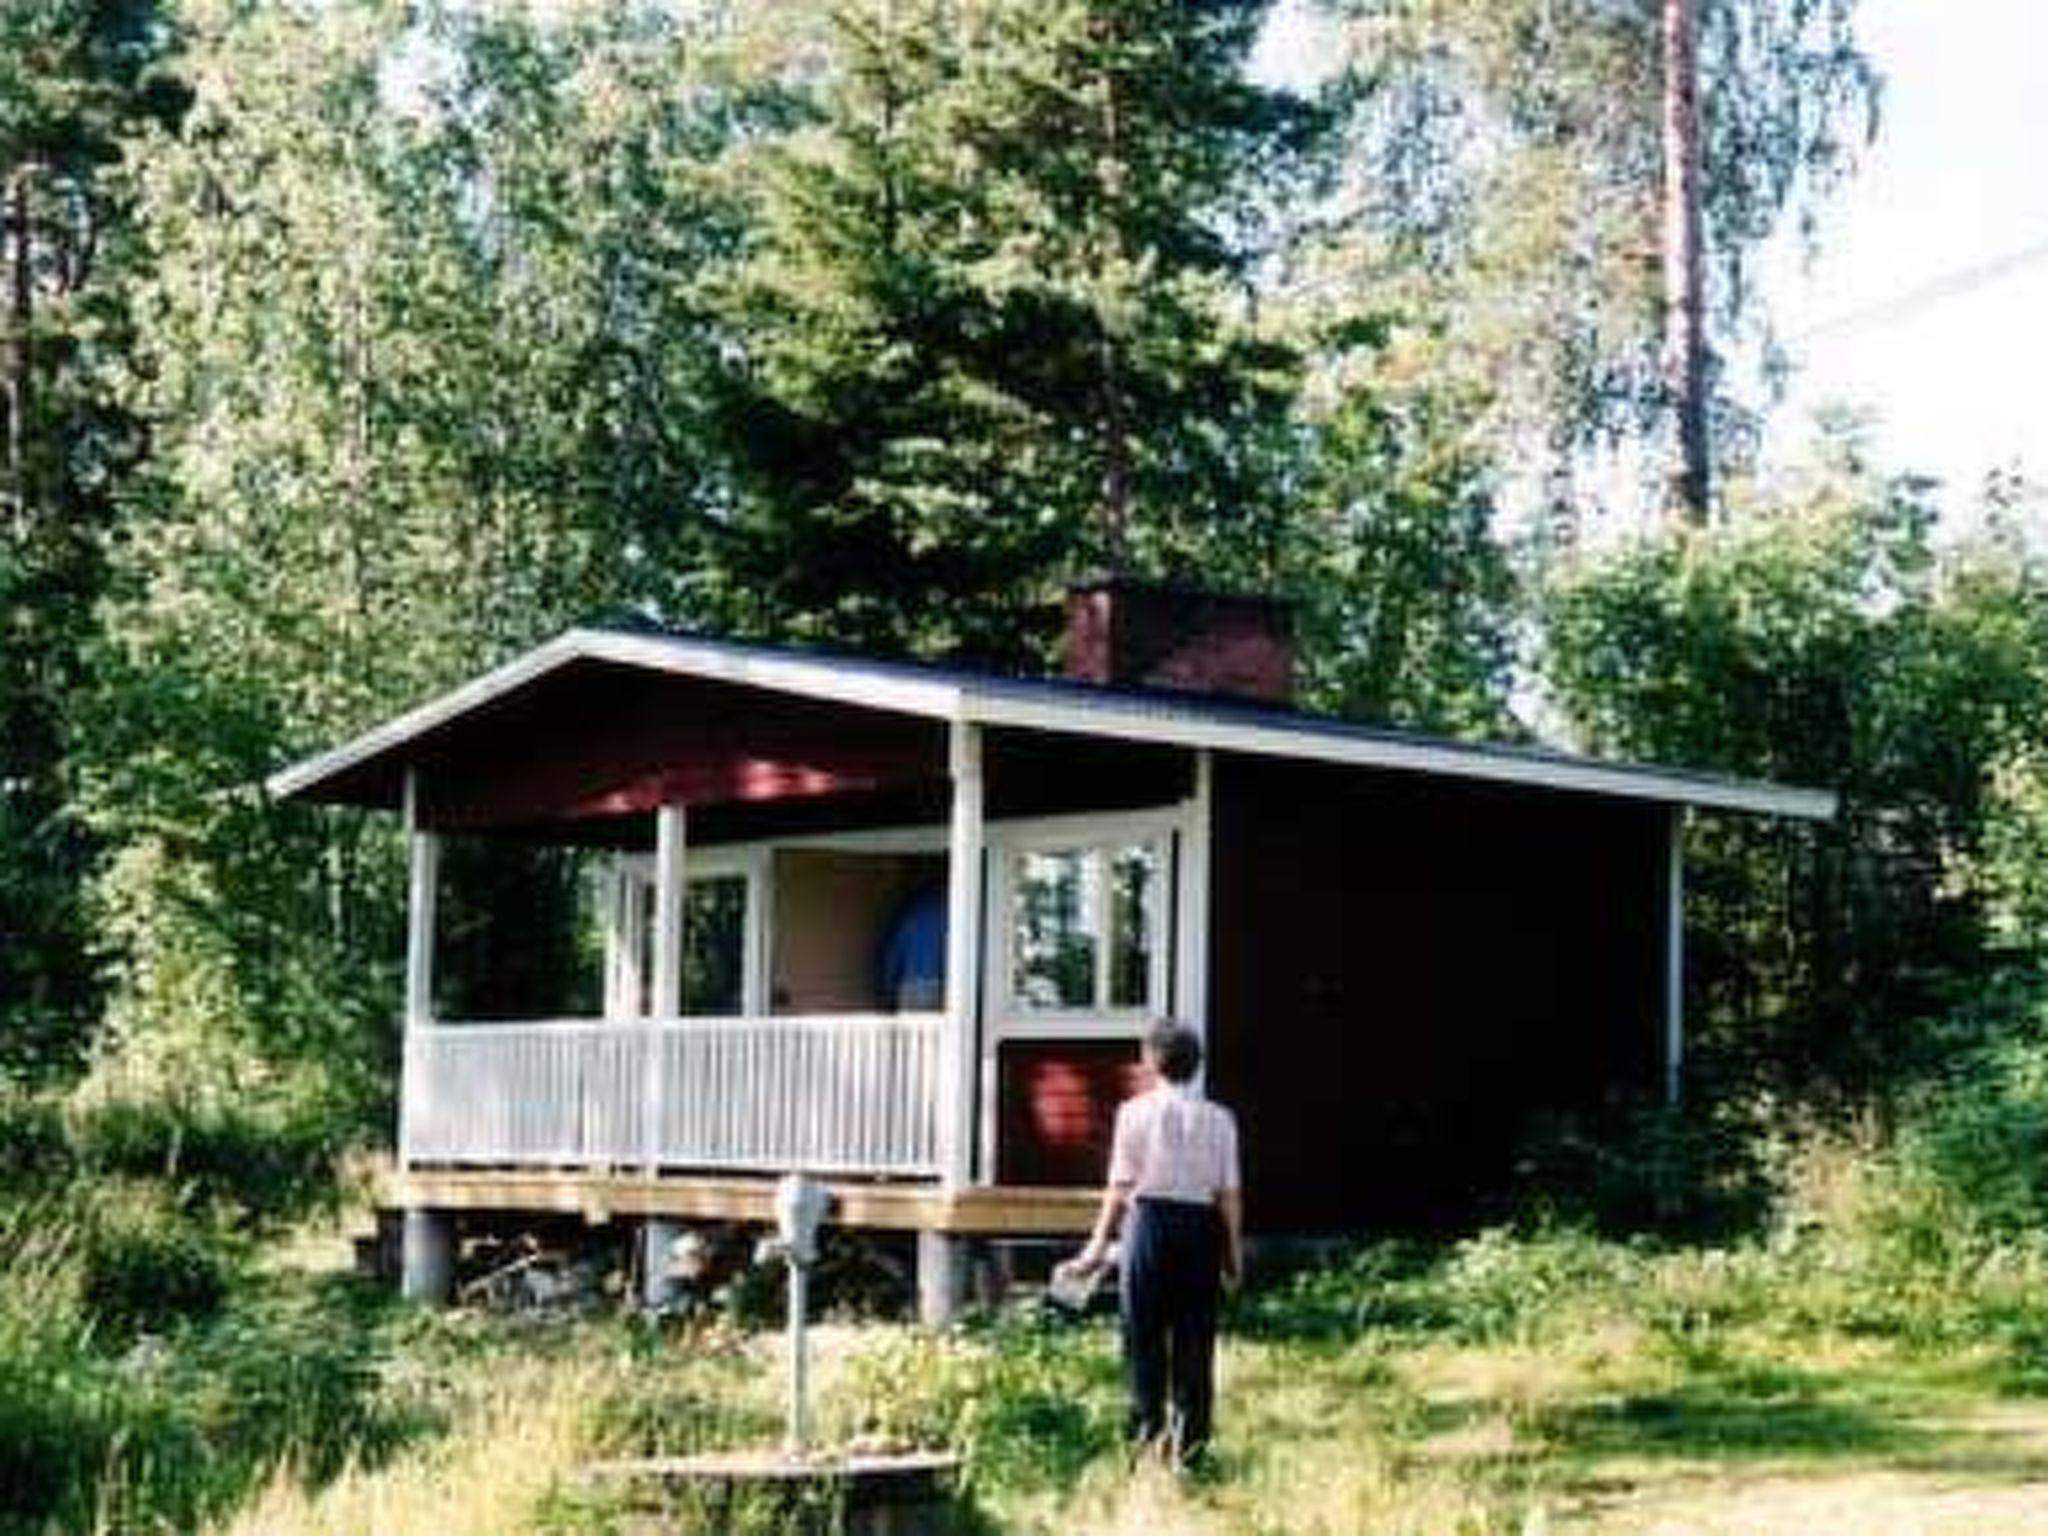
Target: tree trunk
1116, 427
20, 357
1685, 339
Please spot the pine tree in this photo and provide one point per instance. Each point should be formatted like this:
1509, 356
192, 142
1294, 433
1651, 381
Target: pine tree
75, 77
995, 329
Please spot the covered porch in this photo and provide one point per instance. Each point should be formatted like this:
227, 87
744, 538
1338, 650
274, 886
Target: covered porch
857, 935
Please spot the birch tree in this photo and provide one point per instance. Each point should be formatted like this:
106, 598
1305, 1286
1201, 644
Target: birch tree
1511, 170
1685, 318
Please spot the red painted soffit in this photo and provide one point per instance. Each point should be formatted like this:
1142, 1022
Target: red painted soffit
747, 779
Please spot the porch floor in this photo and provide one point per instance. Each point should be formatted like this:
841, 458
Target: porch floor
981, 1211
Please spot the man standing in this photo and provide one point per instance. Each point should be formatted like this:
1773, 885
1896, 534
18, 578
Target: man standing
1174, 1188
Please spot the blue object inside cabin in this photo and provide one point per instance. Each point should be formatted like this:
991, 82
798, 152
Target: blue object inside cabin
912, 970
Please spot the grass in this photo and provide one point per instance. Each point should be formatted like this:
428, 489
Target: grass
1829, 1380
1505, 1385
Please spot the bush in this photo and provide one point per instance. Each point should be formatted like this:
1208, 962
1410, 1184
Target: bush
1372, 1286
145, 1263
1673, 1170
1023, 1401
100, 1430
1982, 1138
269, 1162
34, 1148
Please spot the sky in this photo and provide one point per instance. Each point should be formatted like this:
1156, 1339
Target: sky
1926, 306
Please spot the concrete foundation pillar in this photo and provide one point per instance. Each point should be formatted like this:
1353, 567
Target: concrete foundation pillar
657, 1282
944, 1267
992, 1268
427, 1257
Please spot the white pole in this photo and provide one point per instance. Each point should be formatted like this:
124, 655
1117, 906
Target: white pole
963, 958
799, 1364
1674, 954
670, 886
424, 853
1191, 1000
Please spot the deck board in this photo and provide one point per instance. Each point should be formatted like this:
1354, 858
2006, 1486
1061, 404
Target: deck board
987, 1211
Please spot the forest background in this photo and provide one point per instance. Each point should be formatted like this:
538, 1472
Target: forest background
349, 348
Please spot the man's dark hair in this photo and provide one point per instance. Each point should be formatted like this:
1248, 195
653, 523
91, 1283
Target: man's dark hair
1175, 1049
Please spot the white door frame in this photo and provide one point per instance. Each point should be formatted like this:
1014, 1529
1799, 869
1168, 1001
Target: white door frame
1179, 913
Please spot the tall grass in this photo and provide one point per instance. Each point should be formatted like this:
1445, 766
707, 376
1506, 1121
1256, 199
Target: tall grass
153, 1377
143, 1386
511, 1453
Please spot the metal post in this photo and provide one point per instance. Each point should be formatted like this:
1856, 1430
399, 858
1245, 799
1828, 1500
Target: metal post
799, 1361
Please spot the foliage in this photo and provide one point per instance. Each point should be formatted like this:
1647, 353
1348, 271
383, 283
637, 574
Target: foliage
1699, 1170
1407, 597
34, 1147
1016, 1398
1973, 1144
1822, 638
100, 1428
985, 330
145, 1263
1502, 172
257, 1162
422, 393
75, 80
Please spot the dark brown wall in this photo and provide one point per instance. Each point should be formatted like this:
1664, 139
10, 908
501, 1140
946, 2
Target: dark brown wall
1404, 968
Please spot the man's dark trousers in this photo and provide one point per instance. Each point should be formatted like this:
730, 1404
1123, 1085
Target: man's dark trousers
1171, 1280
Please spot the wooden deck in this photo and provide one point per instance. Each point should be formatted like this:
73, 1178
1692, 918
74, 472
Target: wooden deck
991, 1211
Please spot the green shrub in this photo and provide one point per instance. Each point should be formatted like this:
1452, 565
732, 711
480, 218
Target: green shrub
268, 1162
34, 1149
52, 1442
1370, 1286
1024, 1401
145, 1263
1672, 1170
293, 1377
1981, 1137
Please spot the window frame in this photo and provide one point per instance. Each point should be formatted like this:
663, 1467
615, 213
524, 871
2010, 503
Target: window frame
1100, 836
626, 930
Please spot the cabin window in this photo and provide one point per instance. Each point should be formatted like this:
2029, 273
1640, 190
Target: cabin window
1084, 927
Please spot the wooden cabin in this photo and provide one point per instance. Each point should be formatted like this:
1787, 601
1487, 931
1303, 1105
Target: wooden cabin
901, 925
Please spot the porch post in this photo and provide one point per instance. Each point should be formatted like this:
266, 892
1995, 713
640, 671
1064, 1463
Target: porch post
422, 888
1191, 906
1674, 954
670, 856
963, 958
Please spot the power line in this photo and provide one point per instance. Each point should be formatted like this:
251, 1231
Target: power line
1949, 285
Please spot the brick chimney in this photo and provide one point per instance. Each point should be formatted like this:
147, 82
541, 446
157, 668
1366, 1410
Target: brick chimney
1133, 634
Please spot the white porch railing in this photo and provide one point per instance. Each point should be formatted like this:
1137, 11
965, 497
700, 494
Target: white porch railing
833, 1094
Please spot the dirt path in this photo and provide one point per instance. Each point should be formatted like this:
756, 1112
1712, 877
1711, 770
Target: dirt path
1989, 1478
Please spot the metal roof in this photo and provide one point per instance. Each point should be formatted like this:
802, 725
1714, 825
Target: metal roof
1164, 718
